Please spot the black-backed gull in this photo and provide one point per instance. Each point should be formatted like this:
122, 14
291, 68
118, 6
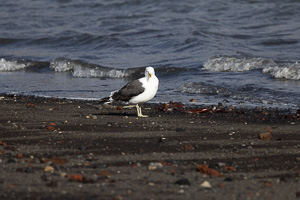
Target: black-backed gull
136, 92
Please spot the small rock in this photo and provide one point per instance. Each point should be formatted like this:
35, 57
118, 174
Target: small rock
161, 140
10, 148
187, 147
19, 169
50, 128
82, 148
181, 191
206, 184
20, 156
193, 100
58, 160
28, 170
119, 108
104, 173
90, 179
30, 105
265, 136
44, 177
221, 164
63, 174
49, 169
151, 183
205, 170
172, 171
154, 165
228, 179
52, 184
268, 183
76, 177
11, 160
183, 181
230, 168
118, 197
180, 129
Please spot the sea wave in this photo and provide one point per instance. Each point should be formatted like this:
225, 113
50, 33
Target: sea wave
233, 64
223, 64
290, 71
202, 88
82, 69
6, 65
243, 94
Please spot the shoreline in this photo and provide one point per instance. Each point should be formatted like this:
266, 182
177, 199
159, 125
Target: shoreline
76, 149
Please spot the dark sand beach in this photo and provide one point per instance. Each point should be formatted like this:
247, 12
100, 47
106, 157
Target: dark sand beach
71, 149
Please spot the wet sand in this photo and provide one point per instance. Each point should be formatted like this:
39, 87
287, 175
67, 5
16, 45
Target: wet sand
63, 149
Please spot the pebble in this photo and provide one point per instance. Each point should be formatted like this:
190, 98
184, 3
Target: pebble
154, 165
82, 148
104, 173
183, 181
63, 174
265, 136
181, 191
206, 184
151, 184
10, 160
49, 169
161, 140
193, 100
118, 197
228, 179
52, 184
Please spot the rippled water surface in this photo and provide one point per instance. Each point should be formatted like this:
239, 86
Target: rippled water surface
234, 52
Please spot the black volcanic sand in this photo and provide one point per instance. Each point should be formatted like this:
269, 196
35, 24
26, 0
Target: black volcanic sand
67, 149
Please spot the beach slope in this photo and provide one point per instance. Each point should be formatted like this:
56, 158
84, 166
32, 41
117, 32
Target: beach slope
70, 149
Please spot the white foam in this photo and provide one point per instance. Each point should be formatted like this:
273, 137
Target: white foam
61, 65
289, 71
82, 72
202, 88
220, 64
223, 64
11, 65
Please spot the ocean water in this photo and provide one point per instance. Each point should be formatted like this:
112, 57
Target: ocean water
231, 52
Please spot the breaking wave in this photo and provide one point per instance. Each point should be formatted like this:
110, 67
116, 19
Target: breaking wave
11, 65
290, 71
81, 70
232, 64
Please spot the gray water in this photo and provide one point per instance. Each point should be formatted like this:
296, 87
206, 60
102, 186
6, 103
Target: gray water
234, 52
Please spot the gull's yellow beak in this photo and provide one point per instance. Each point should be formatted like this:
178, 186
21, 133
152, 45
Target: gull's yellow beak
150, 74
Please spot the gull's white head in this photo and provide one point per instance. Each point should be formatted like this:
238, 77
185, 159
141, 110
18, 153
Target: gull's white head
149, 72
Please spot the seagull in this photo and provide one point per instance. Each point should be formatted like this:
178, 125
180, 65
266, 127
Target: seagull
136, 92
